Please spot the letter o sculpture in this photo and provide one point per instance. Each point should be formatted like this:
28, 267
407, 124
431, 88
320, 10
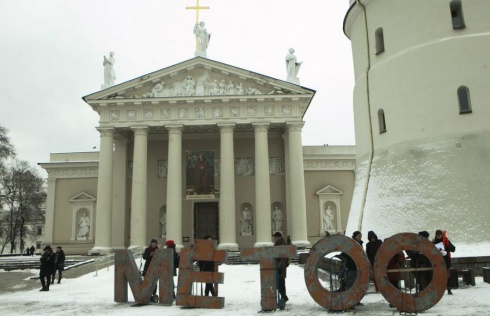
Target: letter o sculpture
406, 302
337, 301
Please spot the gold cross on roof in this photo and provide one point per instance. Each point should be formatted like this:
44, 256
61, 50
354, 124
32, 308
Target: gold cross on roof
197, 8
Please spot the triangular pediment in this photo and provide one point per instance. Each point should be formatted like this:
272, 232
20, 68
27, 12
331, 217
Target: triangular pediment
199, 78
329, 190
82, 197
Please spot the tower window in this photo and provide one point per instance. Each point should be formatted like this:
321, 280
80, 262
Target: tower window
457, 14
381, 121
464, 100
380, 41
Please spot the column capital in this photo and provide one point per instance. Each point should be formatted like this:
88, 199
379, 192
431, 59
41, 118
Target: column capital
174, 128
261, 127
226, 127
140, 130
295, 126
105, 131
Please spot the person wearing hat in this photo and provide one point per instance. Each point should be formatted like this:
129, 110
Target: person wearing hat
441, 238
47, 268
372, 247
170, 244
281, 267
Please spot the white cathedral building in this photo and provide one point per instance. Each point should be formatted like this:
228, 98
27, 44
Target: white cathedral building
205, 148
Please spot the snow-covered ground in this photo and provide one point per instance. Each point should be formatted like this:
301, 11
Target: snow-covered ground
94, 295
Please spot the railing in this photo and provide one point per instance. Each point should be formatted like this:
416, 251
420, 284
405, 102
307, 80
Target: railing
108, 260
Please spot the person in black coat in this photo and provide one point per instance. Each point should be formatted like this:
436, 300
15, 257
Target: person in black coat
372, 247
148, 255
418, 260
446, 253
59, 262
281, 267
170, 244
207, 266
47, 268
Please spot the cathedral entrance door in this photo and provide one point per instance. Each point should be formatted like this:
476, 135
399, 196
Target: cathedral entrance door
206, 220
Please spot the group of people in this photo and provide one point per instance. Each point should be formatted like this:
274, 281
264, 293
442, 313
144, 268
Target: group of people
417, 260
50, 263
30, 251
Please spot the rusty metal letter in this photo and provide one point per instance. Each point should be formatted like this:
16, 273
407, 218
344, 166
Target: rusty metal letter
203, 250
406, 302
126, 271
337, 301
266, 256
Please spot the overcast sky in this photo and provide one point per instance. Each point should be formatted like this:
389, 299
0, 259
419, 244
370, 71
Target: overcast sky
51, 56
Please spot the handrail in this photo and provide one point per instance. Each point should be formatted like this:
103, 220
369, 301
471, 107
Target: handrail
109, 258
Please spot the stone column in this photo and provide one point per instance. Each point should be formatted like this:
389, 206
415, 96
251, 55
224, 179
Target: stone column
289, 214
119, 231
262, 186
299, 234
103, 213
139, 193
174, 185
227, 217
49, 223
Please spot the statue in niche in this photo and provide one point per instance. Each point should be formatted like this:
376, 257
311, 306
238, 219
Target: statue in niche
109, 72
277, 219
83, 226
292, 67
163, 225
328, 217
246, 222
203, 38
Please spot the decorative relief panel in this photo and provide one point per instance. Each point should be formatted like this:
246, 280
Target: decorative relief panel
218, 112
286, 110
234, 111
276, 165
183, 113
217, 167
199, 85
269, 110
148, 114
165, 113
162, 168
245, 167
200, 112
252, 110
114, 115
131, 114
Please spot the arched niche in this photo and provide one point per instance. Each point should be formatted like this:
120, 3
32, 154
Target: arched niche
329, 210
83, 208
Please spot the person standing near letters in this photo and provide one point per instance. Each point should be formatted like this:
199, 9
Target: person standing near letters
281, 267
59, 263
446, 253
47, 268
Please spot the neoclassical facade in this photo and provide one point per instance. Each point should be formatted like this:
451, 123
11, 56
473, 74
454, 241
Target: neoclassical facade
198, 148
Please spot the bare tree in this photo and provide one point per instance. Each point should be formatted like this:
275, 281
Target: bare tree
24, 194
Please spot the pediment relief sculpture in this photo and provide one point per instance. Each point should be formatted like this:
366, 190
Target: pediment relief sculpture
203, 85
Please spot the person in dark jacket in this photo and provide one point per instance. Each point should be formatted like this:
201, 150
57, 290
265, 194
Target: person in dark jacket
372, 247
350, 265
446, 252
281, 267
59, 263
170, 244
47, 268
33, 250
148, 255
207, 266
418, 260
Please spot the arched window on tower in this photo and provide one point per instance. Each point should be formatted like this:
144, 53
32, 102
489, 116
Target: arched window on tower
380, 41
381, 121
457, 14
464, 100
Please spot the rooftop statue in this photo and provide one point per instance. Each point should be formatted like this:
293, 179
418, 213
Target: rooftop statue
292, 67
109, 72
203, 38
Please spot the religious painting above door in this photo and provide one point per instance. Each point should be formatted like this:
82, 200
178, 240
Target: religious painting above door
200, 175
